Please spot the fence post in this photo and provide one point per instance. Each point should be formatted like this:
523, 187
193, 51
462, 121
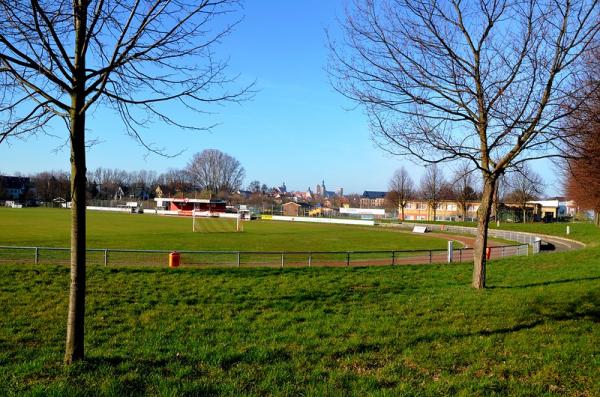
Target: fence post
37, 255
348, 258
450, 251
238, 259
537, 245
460, 255
105, 257
429, 256
393, 258
309, 259
282, 259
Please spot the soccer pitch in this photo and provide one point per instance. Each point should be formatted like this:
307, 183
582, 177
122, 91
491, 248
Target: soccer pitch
50, 228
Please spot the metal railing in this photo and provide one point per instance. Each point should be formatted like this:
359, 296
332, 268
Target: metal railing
135, 257
520, 237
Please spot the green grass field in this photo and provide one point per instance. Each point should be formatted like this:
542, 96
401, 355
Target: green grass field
407, 330
50, 228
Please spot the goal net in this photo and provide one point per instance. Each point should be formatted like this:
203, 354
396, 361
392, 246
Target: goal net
212, 223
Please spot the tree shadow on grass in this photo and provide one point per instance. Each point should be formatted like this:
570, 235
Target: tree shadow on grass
545, 283
137, 375
586, 307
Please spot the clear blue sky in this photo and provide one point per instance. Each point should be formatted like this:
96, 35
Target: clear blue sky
297, 129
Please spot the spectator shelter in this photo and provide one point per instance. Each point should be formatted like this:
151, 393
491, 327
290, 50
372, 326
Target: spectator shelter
185, 206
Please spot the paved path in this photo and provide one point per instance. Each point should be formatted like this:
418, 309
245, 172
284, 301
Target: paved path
561, 244
467, 241
557, 244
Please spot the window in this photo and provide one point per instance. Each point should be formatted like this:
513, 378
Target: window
451, 207
421, 206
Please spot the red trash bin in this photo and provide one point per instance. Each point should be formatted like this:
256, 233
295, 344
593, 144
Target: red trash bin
174, 259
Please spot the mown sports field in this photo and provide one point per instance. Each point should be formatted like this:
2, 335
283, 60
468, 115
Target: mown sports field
50, 228
408, 330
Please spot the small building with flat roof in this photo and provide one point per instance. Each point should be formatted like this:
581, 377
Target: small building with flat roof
185, 206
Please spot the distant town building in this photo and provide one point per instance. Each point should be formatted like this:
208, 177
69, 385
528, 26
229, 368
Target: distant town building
447, 210
119, 193
302, 196
282, 189
309, 194
450, 210
322, 192
372, 199
554, 209
296, 209
13, 187
245, 194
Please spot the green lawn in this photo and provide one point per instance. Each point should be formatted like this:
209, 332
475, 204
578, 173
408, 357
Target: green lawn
405, 330
414, 330
50, 228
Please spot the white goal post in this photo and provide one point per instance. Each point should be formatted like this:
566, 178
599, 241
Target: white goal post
218, 221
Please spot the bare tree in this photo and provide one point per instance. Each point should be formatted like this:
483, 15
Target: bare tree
463, 187
216, 172
402, 187
254, 186
175, 182
432, 185
391, 202
580, 172
51, 185
485, 81
61, 59
525, 185
583, 185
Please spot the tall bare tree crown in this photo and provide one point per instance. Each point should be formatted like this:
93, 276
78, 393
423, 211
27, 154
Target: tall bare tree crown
215, 171
139, 55
481, 80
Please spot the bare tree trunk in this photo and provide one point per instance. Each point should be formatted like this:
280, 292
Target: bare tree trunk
479, 252
524, 215
597, 217
74, 349
495, 203
402, 211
